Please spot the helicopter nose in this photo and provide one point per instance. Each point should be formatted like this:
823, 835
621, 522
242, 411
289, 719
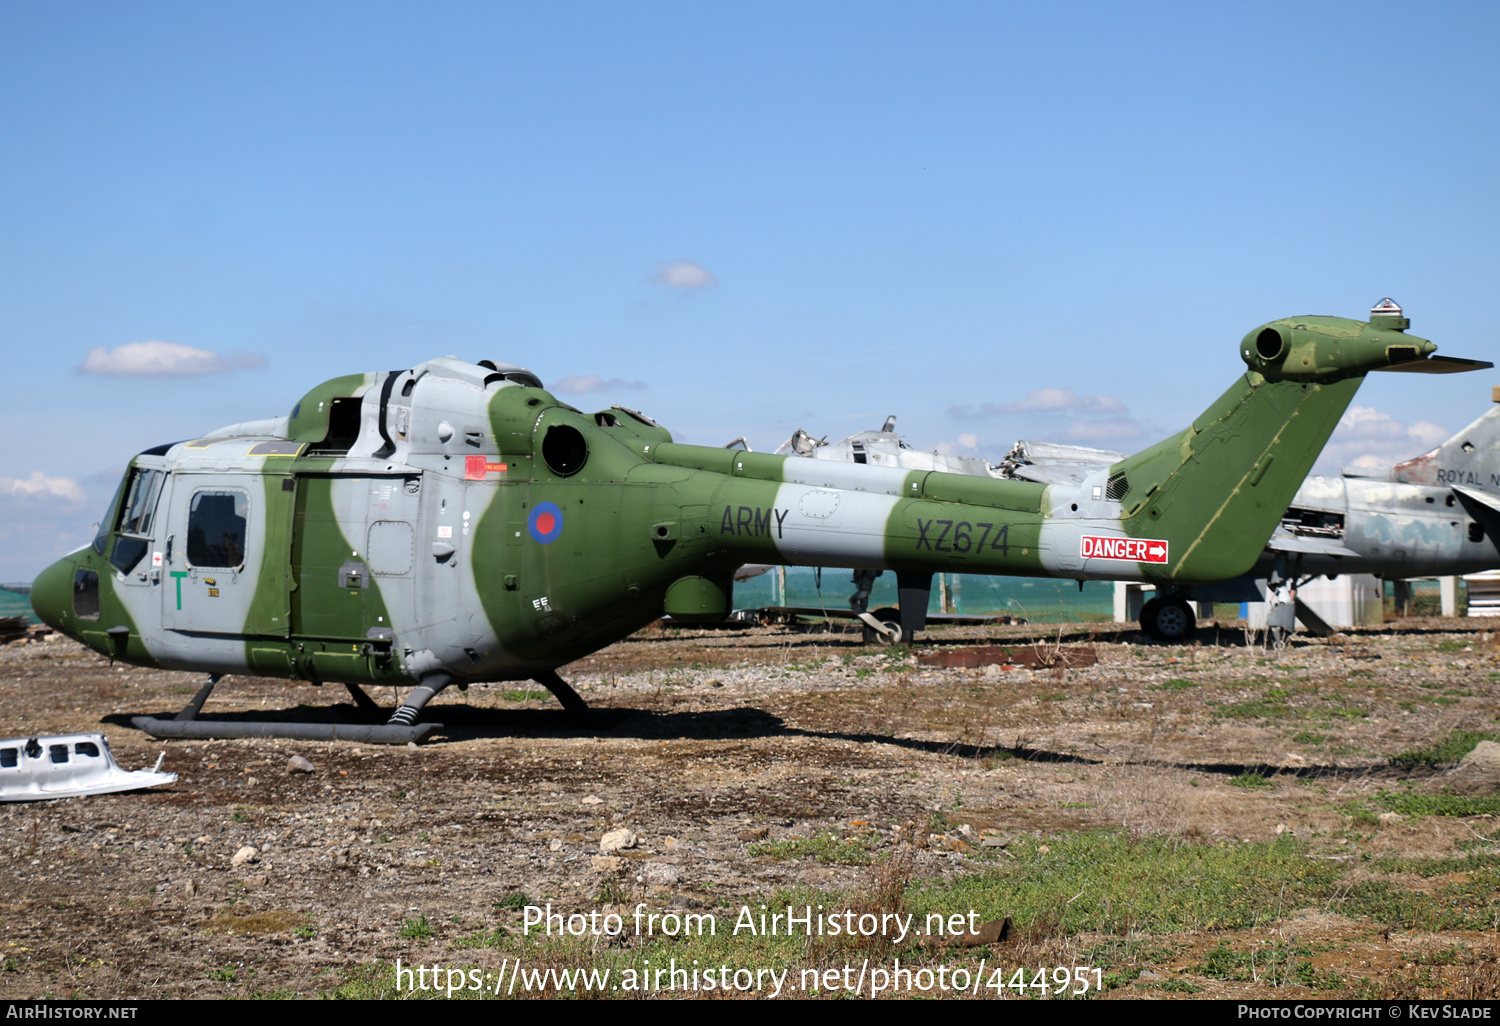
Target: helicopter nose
52, 595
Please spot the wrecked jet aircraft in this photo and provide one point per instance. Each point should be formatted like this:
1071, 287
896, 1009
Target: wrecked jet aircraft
1436, 515
455, 523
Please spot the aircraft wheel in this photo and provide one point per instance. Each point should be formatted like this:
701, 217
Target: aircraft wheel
892, 619
1168, 619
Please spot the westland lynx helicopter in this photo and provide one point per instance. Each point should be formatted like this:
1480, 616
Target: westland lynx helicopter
455, 523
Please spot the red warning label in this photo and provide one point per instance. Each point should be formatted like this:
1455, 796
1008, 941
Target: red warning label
476, 468
1136, 550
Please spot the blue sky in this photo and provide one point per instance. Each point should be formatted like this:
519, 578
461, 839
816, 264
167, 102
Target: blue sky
996, 221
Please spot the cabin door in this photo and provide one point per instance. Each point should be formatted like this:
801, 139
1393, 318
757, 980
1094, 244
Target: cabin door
211, 559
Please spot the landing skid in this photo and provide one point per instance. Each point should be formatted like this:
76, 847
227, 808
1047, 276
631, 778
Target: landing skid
377, 734
187, 724
401, 729
563, 692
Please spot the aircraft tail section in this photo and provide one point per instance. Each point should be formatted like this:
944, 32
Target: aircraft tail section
1470, 459
1218, 489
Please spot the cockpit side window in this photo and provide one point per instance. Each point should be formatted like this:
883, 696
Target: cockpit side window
216, 529
107, 523
137, 512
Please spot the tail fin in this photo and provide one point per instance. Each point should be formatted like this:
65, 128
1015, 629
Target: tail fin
1219, 488
1470, 458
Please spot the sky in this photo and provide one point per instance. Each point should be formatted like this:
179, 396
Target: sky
996, 221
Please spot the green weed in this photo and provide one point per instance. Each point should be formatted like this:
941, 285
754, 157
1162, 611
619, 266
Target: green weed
498, 937
1446, 752
1117, 883
1413, 804
1472, 903
826, 847
415, 929
1253, 781
1278, 964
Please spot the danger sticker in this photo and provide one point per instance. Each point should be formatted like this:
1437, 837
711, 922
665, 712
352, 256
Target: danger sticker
1136, 550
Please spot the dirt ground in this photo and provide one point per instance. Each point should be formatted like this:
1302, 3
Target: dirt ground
711, 747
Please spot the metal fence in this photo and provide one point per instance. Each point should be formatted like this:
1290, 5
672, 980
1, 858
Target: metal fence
1039, 600
1420, 598
15, 600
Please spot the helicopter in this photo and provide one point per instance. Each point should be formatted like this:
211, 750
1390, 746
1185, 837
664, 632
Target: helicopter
455, 523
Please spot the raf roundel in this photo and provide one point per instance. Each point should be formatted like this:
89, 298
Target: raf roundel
545, 522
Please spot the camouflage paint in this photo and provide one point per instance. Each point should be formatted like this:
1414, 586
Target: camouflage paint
457, 519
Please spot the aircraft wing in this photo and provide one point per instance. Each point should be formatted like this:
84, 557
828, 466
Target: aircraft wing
1482, 498
1309, 546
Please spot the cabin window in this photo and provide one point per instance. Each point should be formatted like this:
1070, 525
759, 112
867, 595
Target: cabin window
216, 529
86, 594
9, 758
1476, 531
87, 748
137, 513
58, 753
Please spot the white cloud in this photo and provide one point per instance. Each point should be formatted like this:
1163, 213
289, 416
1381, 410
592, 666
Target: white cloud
585, 384
1367, 437
684, 274
40, 486
1102, 431
1062, 415
967, 445
1062, 399
1429, 434
157, 359
1046, 400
